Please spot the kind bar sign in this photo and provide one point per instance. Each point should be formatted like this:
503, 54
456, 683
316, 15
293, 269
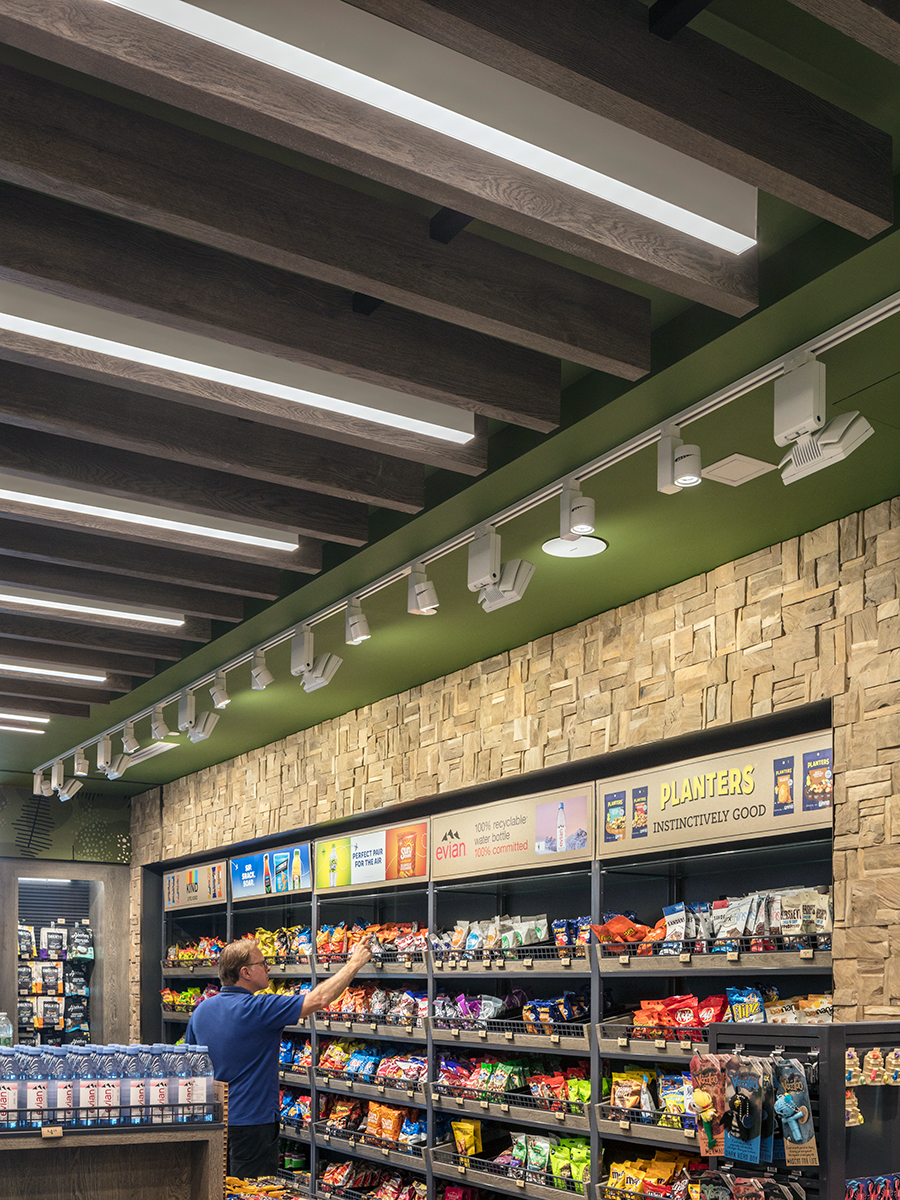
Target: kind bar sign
533, 831
764, 790
195, 885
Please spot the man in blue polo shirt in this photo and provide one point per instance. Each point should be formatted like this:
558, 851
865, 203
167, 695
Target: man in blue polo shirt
243, 1033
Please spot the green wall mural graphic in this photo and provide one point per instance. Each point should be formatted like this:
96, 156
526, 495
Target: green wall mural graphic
92, 827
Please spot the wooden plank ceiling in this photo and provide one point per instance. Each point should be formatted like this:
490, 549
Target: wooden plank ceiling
107, 203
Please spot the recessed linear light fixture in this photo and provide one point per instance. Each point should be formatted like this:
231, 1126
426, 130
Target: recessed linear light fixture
21, 729
296, 61
13, 716
61, 602
129, 352
11, 666
59, 497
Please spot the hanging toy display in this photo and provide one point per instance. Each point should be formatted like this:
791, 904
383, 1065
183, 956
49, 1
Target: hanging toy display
703, 1106
738, 1118
792, 1116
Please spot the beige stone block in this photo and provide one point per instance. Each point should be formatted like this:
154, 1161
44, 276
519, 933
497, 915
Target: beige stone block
876, 520
819, 542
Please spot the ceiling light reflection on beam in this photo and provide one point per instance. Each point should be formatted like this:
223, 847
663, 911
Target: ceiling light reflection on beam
12, 667
296, 61
62, 602
21, 729
135, 512
13, 716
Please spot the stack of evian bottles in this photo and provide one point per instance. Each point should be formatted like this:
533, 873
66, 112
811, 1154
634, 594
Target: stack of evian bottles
103, 1086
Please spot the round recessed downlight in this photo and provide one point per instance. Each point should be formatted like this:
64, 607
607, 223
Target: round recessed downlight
584, 547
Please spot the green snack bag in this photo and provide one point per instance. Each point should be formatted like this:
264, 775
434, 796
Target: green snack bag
538, 1158
561, 1166
519, 1155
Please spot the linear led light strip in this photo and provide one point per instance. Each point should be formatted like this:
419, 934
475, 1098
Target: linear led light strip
888, 307
15, 668
201, 370
64, 604
250, 43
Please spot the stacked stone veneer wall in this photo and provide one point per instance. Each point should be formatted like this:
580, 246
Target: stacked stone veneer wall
811, 618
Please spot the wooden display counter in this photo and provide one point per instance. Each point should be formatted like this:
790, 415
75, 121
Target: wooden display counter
139, 1164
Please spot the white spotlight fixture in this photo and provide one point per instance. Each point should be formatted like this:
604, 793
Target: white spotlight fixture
218, 691
323, 671
677, 465
46, 788
118, 766
104, 753
187, 710
158, 727
57, 775
81, 763
800, 422
129, 741
203, 727
318, 671
38, 783
421, 596
576, 514
69, 789
356, 627
497, 584
260, 675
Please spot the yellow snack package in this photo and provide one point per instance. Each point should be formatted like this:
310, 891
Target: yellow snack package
467, 1136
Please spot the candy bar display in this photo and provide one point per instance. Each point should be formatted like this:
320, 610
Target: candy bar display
535, 1081
389, 941
663, 1174
281, 947
370, 1002
545, 1159
186, 999
474, 1011
381, 1064
379, 1183
388, 1126
203, 951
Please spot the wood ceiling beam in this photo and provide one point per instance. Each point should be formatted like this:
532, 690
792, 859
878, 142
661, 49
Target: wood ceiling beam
80, 148
668, 17
11, 689
164, 644
16, 705
692, 94
121, 474
115, 589
149, 57
52, 403
468, 459
872, 23
85, 255
71, 548
67, 656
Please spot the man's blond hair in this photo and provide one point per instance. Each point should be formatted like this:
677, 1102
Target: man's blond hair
233, 958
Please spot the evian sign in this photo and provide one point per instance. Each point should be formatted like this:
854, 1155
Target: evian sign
451, 845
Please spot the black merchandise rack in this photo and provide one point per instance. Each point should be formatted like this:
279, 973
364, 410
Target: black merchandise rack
612, 980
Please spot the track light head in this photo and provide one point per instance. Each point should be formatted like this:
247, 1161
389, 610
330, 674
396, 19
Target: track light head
158, 727
46, 788
218, 691
484, 560
576, 514
129, 741
203, 726
81, 763
815, 451
515, 577
104, 752
421, 596
37, 783
260, 675
69, 789
322, 673
117, 767
686, 466
57, 772
799, 399
187, 710
302, 650
356, 627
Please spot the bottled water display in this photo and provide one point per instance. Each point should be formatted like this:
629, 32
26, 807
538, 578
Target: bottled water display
103, 1086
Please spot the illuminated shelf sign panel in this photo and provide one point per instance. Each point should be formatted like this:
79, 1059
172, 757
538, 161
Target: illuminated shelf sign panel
195, 885
274, 873
781, 787
512, 835
397, 854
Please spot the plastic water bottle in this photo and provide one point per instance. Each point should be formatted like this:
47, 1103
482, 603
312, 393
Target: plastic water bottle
85, 1067
6, 1030
158, 1085
35, 1074
9, 1089
109, 1085
203, 1082
134, 1085
181, 1083
62, 1103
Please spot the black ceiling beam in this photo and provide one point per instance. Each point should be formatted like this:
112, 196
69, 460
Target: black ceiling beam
162, 62
691, 94
872, 23
668, 17
86, 255
49, 402
121, 474
73, 548
165, 645
446, 224
80, 148
119, 590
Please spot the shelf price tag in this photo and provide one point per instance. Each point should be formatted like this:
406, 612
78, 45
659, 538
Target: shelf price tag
520, 1183
385, 1151
560, 1116
565, 962
482, 1033
483, 1104
686, 1044
690, 1133
554, 1039
508, 1034
528, 962
460, 1100
51, 1131
504, 1108
685, 957
455, 1032
624, 960
486, 962
624, 1124
464, 964
501, 964
622, 1041
734, 956
660, 1044
807, 953
374, 1027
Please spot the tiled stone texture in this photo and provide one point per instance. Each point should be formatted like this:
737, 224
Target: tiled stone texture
811, 618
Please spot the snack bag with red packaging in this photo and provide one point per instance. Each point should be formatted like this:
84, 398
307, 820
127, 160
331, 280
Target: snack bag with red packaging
713, 1008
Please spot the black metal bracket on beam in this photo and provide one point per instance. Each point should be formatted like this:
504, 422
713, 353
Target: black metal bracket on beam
668, 17
446, 224
364, 304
